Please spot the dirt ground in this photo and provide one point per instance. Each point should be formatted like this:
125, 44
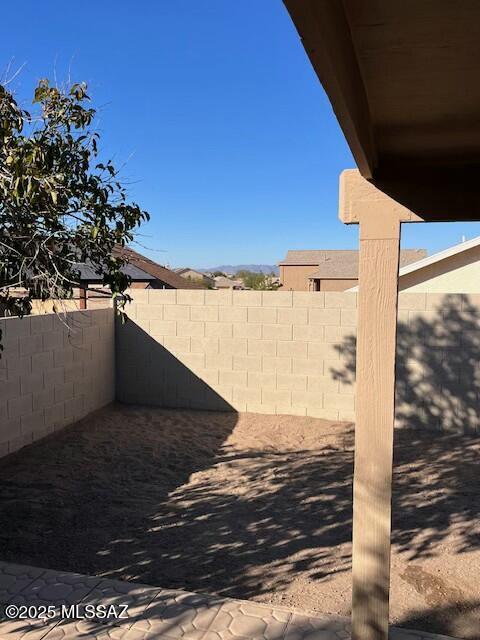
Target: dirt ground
247, 506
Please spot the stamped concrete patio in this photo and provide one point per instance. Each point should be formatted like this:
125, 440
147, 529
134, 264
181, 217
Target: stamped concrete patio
155, 613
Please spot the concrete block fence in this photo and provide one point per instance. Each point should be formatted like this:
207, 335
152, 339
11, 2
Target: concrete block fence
294, 353
53, 371
266, 352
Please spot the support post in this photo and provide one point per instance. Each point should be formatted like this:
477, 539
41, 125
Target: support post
372, 486
83, 297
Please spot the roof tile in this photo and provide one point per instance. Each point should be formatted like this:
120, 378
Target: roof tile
339, 263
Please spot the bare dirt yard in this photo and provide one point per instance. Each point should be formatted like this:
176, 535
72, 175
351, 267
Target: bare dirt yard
247, 506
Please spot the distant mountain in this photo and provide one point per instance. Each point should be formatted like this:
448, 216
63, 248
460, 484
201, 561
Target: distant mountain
232, 269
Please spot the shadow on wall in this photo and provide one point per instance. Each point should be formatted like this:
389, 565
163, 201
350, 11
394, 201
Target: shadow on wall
148, 373
437, 367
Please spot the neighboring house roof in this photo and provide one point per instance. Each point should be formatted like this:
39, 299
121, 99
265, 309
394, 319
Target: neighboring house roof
223, 282
441, 255
339, 263
436, 257
92, 273
307, 256
183, 271
167, 276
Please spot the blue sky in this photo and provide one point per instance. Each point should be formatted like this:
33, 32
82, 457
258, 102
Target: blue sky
228, 138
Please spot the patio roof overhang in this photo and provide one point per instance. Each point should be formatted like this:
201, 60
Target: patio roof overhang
402, 78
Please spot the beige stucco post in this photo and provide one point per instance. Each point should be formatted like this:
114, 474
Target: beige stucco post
379, 218
372, 487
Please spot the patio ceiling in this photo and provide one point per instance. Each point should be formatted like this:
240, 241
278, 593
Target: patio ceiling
402, 77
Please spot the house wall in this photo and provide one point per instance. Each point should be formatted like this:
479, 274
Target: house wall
294, 353
327, 284
53, 371
158, 284
63, 305
457, 274
95, 301
47, 306
295, 277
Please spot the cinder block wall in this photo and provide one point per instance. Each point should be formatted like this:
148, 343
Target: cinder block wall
294, 353
53, 371
438, 356
267, 352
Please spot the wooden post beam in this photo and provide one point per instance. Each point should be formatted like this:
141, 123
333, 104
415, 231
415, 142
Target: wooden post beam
375, 411
359, 196
380, 220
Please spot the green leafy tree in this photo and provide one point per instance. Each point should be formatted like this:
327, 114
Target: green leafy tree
258, 281
271, 283
59, 205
